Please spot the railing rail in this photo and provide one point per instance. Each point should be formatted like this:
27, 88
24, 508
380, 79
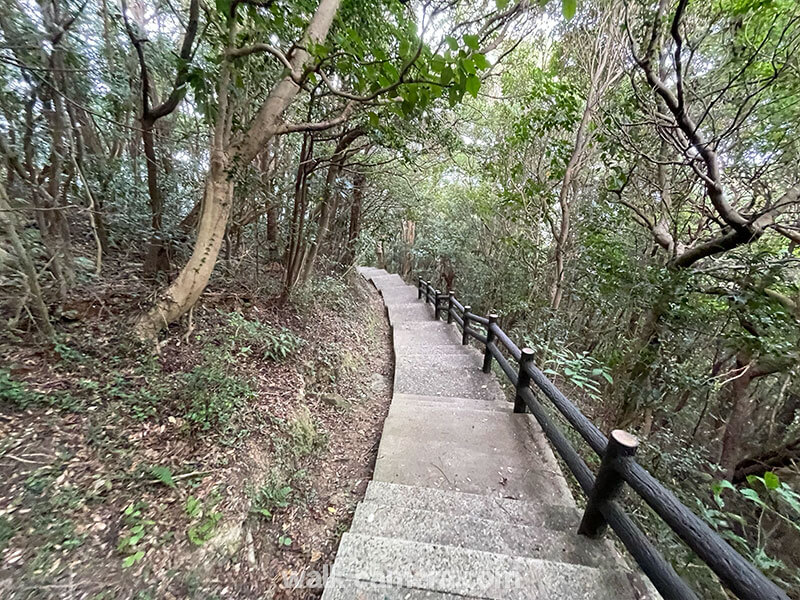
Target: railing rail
618, 467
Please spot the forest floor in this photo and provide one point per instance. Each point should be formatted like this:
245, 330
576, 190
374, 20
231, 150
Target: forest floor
233, 456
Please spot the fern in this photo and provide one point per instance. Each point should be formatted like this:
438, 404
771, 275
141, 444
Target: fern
164, 475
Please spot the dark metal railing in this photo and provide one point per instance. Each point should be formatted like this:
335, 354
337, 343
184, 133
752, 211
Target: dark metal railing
618, 467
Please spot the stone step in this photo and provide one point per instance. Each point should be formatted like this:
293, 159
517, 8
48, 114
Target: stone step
410, 312
422, 350
386, 281
424, 334
467, 403
352, 589
454, 358
466, 382
465, 531
499, 507
466, 450
451, 570
399, 295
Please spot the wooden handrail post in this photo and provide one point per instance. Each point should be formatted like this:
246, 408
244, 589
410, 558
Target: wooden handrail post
487, 355
450, 308
523, 380
420, 282
436, 309
465, 326
427, 292
621, 446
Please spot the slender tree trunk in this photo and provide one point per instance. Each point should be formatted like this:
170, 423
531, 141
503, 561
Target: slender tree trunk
409, 229
27, 266
355, 219
296, 244
272, 232
327, 205
157, 258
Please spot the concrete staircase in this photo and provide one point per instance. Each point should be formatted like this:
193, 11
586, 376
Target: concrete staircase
467, 499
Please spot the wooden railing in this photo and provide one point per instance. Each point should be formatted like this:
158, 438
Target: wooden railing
618, 466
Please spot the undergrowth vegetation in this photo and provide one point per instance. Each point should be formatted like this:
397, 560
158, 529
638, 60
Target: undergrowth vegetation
220, 430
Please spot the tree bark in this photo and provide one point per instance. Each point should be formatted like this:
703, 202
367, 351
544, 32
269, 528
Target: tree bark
777, 458
157, 258
738, 397
28, 268
355, 220
327, 204
409, 230
193, 278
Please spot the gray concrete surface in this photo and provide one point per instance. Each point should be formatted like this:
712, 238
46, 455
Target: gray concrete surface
467, 500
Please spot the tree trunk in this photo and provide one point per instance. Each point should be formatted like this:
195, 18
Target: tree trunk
296, 245
27, 266
327, 205
193, 278
409, 230
272, 232
741, 407
157, 258
777, 458
355, 219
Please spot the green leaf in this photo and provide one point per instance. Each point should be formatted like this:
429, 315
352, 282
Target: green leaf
224, 7
472, 41
753, 496
473, 85
451, 41
771, 481
446, 76
481, 62
130, 560
501, 4
193, 506
373, 119
164, 475
568, 8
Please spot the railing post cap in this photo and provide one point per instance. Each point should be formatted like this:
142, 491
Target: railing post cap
627, 441
451, 293
493, 316
527, 353
467, 308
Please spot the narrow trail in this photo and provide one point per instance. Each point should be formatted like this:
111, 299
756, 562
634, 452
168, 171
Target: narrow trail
467, 499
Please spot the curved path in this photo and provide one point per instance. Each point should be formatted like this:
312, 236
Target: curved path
467, 499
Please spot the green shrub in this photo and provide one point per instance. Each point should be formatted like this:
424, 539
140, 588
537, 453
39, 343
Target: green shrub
211, 396
204, 519
271, 343
326, 291
775, 506
274, 493
15, 392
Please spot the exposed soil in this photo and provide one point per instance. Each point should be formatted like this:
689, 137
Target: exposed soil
112, 487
